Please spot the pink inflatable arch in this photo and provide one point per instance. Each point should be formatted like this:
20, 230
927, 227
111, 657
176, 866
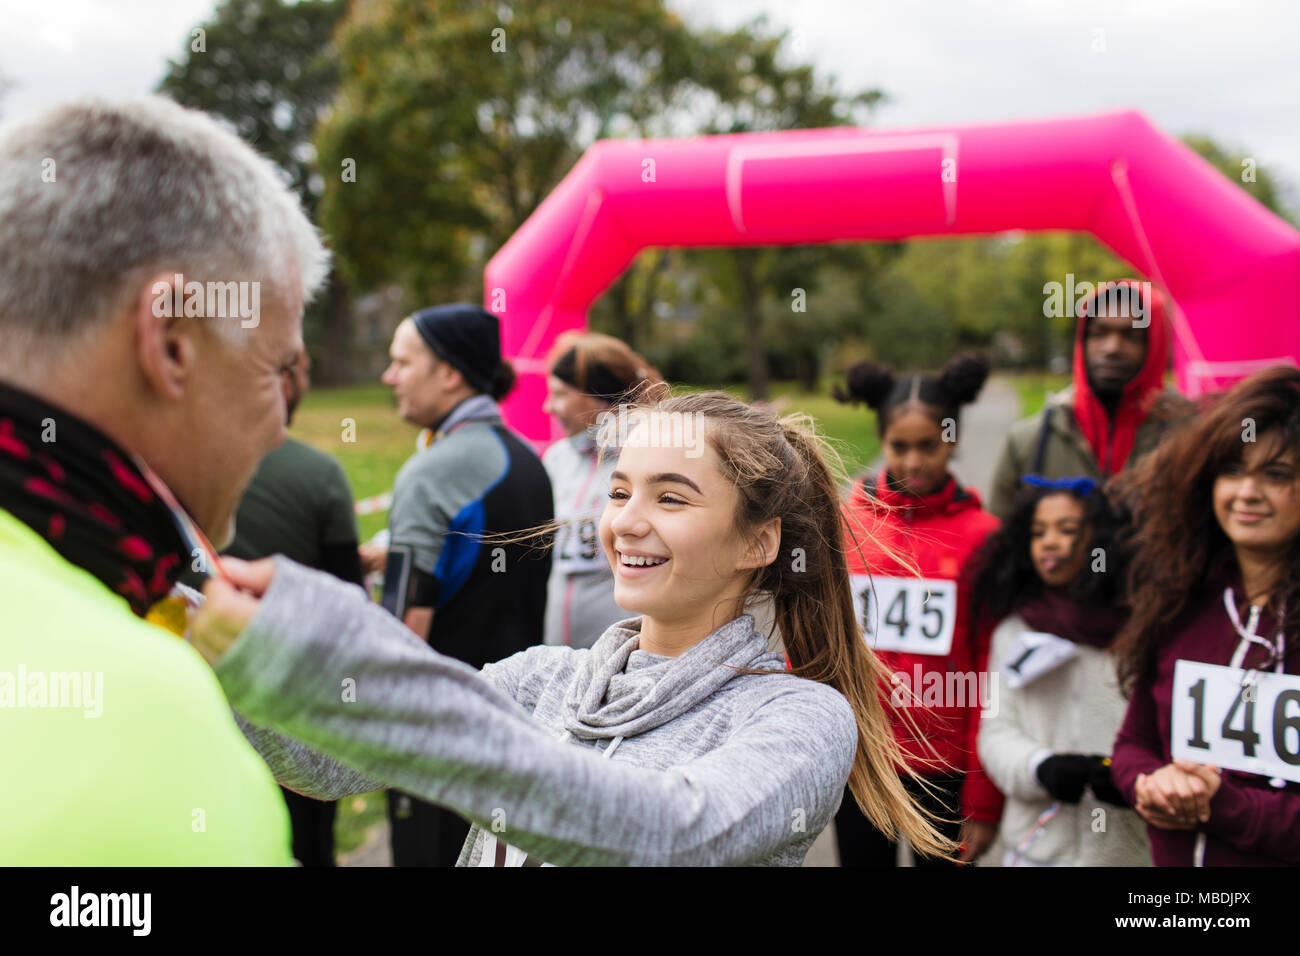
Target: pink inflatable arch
1231, 267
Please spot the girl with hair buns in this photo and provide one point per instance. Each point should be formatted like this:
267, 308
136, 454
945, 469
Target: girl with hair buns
910, 533
590, 374
678, 738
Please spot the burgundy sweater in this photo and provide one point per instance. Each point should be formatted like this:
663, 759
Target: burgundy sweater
1251, 822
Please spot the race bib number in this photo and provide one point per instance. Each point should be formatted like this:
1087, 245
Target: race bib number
498, 853
1033, 654
577, 545
1241, 720
911, 615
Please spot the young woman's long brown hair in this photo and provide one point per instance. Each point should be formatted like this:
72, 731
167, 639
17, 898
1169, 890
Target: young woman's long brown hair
1176, 537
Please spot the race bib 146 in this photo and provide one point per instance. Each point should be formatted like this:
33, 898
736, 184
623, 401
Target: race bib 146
910, 615
1247, 721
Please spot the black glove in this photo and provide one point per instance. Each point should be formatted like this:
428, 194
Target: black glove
1065, 775
1103, 784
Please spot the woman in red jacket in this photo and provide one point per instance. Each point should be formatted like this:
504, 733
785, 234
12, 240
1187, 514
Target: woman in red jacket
1209, 751
910, 533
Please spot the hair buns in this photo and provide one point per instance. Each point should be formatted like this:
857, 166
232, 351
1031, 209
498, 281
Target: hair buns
868, 382
964, 376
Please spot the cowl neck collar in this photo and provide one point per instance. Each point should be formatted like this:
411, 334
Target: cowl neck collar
621, 690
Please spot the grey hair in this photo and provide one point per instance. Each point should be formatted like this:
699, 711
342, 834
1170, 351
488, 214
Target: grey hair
96, 196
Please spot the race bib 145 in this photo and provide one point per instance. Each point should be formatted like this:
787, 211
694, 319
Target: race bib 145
911, 615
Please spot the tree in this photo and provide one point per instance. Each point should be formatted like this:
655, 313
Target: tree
266, 67
1243, 170
459, 117
755, 88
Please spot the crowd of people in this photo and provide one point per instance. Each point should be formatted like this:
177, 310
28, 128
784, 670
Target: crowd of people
633, 649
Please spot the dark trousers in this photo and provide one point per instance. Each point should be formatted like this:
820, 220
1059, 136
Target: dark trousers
424, 834
861, 844
312, 823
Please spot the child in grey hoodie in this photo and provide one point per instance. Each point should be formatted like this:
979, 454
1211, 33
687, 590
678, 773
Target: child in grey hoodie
674, 740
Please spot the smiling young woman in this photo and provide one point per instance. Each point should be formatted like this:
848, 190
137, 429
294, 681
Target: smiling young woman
678, 738
1208, 749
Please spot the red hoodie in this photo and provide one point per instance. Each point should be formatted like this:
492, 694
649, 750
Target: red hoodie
1252, 823
936, 535
1112, 440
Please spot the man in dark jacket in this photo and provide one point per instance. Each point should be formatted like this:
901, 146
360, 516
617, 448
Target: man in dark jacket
1116, 409
470, 597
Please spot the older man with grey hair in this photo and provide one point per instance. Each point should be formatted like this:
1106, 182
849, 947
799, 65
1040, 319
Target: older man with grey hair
153, 270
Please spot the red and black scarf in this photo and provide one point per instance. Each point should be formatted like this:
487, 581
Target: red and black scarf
83, 494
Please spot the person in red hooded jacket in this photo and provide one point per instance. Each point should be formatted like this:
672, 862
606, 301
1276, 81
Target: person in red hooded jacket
910, 533
1116, 408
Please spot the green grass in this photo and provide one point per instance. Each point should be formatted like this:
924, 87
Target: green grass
356, 815
359, 426
1034, 387
382, 442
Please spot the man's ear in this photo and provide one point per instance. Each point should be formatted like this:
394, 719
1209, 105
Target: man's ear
764, 545
165, 347
450, 377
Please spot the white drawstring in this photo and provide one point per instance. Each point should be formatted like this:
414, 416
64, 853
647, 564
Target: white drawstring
1248, 635
607, 752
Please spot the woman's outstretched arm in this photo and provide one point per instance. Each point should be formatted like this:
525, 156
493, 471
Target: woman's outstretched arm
303, 770
321, 664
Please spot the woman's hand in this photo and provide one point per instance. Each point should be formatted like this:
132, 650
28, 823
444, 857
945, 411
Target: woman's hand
1177, 796
228, 609
975, 838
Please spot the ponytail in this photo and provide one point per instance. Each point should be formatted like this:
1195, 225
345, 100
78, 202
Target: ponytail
823, 641
503, 381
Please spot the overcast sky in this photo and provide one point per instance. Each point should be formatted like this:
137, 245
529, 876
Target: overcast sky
1226, 68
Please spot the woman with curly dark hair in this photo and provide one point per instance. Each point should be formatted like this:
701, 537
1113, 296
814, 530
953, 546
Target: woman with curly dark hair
1051, 580
1209, 752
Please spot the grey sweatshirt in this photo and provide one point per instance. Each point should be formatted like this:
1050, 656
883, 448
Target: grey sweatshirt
606, 756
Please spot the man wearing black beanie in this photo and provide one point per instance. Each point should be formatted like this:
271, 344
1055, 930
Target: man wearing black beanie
445, 578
